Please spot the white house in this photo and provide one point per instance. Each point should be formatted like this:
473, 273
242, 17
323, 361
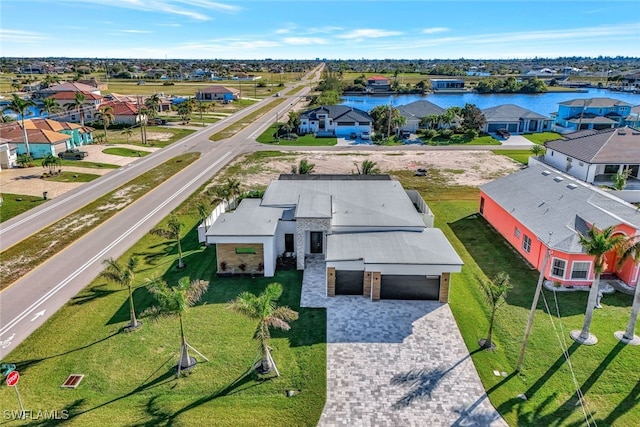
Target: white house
8, 154
376, 239
335, 120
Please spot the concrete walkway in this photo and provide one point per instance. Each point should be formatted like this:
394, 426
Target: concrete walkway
395, 363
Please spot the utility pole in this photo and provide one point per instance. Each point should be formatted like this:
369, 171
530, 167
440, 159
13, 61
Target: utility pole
527, 330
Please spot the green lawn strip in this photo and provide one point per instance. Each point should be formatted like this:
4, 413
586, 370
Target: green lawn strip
521, 156
267, 137
15, 204
82, 164
129, 377
117, 136
66, 176
457, 139
236, 127
26, 255
602, 370
542, 137
295, 90
125, 152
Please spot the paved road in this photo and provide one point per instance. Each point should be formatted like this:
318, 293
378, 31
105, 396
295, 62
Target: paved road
26, 304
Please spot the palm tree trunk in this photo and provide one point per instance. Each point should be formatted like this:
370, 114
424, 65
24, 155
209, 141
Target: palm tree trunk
270, 361
591, 305
132, 311
25, 136
487, 343
635, 308
180, 262
185, 359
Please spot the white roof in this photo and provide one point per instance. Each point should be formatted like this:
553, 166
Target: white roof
249, 219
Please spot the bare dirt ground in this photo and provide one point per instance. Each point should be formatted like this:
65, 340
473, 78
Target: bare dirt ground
469, 168
27, 181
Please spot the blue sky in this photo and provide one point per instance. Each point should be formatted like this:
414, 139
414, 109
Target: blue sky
309, 29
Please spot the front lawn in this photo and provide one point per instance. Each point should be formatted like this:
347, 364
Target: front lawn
65, 176
125, 152
460, 139
15, 204
521, 156
267, 137
157, 136
541, 138
82, 164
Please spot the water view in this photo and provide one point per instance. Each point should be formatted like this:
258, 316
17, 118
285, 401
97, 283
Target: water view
544, 103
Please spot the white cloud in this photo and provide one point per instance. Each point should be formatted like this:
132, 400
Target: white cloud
364, 33
434, 30
304, 40
134, 31
169, 25
19, 36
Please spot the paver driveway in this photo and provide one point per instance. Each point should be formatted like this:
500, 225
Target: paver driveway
395, 363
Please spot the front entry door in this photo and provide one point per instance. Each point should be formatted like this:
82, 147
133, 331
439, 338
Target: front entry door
316, 242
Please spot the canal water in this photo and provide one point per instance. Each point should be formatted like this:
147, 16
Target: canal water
543, 103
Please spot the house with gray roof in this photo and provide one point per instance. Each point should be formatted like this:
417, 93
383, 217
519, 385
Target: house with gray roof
538, 209
415, 111
515, 119
595, 156
335, 120
591, 113
376, 239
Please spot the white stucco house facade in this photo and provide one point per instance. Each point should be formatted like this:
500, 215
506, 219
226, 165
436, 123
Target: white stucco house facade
335, 120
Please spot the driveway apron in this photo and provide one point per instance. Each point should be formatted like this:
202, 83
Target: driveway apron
395, 363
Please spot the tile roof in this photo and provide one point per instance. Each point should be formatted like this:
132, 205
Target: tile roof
36, 136
620, 145
72, 96
71, 87
121, 108
510, 113
339, 113
378, 78
545, 200
419, 109
48, 124
594, 102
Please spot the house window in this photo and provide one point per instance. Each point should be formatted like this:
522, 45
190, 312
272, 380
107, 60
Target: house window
558, 267
611, 169
516, 232
288, 243
481, 205
580, 270
245, 250
526, 243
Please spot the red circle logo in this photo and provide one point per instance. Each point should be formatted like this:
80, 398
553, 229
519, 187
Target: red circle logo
12, 378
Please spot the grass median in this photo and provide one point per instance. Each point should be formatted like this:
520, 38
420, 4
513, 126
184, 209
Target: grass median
34, 250
233, 129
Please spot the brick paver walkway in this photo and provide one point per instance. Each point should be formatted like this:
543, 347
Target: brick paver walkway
395, 363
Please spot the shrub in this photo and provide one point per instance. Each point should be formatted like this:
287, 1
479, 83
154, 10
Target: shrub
471, 134
446, 133
430, 133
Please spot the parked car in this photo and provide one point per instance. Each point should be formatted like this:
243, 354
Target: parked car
503, 133
365, 134
353, 135
73, 154
405, 134
157, 121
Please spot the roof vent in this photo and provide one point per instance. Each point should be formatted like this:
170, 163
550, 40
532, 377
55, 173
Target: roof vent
635, 132
572, 186
558, 179
622, 132
545, 173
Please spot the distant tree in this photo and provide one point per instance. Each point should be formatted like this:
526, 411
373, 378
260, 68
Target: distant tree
329, 97
107, 117
127, 132
153, 104
368, 168
50, 106
303, 168
387, 119
294, 120
473, 118
495, 292
21, 107
534, 85
172, 232
123, 275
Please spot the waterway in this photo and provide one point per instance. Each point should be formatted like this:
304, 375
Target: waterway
543, 103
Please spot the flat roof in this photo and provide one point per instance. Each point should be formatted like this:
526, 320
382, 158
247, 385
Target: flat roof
249, 219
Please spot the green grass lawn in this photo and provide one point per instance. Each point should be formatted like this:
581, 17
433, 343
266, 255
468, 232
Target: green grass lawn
157, 136
82, 164
66, 176
521, 156
306, 140
542, 137
458, 139
125, 152
129, 377
15, 204
236, 127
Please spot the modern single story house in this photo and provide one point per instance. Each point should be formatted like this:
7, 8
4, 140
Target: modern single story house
415, 111
539, 208
447, 84
515, 119
218, 93
377, 240
378, 84
591, 113
41, 142
335, 120
595, 156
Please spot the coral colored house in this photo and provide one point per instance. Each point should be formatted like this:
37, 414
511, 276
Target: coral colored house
539, 208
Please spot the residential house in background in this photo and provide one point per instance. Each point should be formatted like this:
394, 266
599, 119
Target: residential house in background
218, 93
94, 83
68, 87
633, 119
439, 85
8, 154
41, 142
515, 119
595, 156
376, 239
90, 105
378, 84
415, 111
539, 209
591, 113
335, 120
123, 112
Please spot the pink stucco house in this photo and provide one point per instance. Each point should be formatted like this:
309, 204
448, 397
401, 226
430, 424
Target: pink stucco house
539, 208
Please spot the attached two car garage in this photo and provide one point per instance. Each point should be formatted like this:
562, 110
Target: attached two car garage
392, 286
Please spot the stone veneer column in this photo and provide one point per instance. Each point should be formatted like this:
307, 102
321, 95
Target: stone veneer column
375, 284
444, 287
366, 284
331, 281
302, 227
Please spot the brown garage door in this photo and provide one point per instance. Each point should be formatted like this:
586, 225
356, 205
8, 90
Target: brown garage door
349, 282
409, 287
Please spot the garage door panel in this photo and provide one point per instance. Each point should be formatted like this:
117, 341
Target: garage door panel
409, 287
349, 282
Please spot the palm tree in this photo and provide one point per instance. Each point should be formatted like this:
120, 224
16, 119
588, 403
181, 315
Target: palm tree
537, 150
143, 113
263, 308
368, 168
78, 105
174, 301
152, 103
234, 189
596, 243
51, 162
172, 232
495, 292
21, 107
123, 275
620, 179
50, 106
127, 132
107, 117
631, 249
